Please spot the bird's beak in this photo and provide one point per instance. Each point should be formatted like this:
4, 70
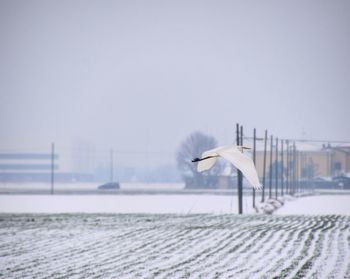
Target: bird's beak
242, 148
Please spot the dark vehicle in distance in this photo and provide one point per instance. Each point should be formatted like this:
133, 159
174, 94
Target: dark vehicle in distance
109, 186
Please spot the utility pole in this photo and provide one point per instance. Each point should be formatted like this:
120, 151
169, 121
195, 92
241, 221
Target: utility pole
300, 167
282, 164
112, 167
270, 176
294, 168
276, 170
287, 170
264, 169
254, 160
241, 176
52, 167
297, 173
239, 173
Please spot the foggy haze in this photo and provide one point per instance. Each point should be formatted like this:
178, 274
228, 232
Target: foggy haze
142, 75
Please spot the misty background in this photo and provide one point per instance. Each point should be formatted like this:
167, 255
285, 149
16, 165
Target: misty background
139, 76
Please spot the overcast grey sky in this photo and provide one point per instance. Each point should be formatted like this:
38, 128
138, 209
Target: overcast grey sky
142, 75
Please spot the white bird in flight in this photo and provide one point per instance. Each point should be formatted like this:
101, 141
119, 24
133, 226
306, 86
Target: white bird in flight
234, 155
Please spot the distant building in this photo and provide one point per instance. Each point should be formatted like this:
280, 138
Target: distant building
16, 167
311, 161
340, 160
35, 167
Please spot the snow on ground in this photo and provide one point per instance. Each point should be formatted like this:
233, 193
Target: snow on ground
324, 204
179, 204
120, 236
173, 246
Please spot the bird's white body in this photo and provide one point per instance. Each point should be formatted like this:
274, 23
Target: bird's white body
234, 155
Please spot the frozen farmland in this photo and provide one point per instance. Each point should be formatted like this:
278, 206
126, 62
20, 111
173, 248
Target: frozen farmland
174, 246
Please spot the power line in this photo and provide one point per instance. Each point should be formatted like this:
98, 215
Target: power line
304, 140
316, 140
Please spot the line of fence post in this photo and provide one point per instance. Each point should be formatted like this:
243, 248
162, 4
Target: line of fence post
284, 167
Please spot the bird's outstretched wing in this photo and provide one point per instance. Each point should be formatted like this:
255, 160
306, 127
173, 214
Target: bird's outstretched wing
207, 163
241, 162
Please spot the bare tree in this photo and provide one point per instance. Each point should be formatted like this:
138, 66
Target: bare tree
193, 146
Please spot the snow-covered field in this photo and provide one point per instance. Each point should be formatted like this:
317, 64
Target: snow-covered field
320, 205
179, 204
124, 236
166, 204
173, 246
